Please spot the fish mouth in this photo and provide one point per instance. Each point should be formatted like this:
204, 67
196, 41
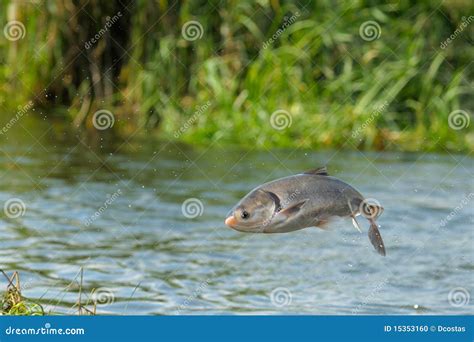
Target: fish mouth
231, 221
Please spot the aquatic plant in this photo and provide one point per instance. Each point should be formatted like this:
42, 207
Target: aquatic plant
355, 74
14, 303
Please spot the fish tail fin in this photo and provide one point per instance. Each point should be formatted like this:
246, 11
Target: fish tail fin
376, 238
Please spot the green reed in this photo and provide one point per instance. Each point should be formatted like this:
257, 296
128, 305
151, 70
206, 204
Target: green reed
254, 58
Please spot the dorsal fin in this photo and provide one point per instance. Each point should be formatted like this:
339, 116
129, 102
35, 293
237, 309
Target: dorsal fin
321, 171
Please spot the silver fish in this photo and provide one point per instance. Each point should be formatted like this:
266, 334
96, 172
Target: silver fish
312, 198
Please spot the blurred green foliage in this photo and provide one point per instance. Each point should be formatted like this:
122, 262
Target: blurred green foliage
307, 58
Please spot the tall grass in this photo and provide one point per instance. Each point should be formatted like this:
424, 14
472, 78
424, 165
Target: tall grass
14, 303
394, 92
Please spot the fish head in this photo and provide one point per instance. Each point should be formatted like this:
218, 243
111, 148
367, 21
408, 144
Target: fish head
253, 212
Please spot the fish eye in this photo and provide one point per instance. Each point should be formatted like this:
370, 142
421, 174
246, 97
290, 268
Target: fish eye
245, 214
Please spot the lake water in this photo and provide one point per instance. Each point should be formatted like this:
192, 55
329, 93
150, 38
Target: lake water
143, 256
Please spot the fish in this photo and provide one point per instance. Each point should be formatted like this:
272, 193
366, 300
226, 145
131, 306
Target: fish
309, 199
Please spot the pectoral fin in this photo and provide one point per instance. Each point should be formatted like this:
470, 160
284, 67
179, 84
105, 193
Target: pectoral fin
322, 224
292, 210
356, 224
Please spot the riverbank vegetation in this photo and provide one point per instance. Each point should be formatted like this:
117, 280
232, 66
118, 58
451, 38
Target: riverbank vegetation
271, 73
14, 303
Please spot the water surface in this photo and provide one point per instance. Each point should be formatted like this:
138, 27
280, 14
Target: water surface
145, 257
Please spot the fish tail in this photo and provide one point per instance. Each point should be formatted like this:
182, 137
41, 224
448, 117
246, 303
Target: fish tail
376, 238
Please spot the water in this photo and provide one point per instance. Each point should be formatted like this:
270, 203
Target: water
143, 256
